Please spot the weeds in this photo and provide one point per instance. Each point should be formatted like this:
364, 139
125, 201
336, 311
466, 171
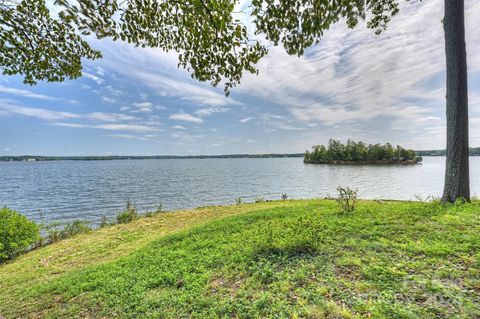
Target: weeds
159, 210
105, 221
347, 198
128, 215
56, 231
259, 199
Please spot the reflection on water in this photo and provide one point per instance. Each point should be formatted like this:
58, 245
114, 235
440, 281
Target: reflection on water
66, 190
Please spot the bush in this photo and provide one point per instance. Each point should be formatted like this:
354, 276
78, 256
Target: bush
259, 199
17, 233
159, 210
53, 233
74, 228
56, 232
105, 221
128, 215
347, 198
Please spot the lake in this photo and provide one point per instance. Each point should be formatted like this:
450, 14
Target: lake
68, 190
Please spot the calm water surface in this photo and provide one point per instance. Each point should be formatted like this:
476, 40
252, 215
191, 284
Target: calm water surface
67, 190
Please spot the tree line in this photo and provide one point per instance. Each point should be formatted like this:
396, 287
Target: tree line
359, 152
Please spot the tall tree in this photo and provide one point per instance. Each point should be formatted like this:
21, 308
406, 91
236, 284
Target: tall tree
457, 183
214, 45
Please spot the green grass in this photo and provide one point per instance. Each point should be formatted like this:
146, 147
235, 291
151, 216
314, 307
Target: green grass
289, 259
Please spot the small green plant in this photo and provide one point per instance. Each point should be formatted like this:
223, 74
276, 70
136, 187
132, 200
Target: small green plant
347, 198
238, 201
159, 208
128, 215
266, 236
310, 232
105, 221
53, 233
284, 196
56, 231
74, 228
259, 199
17, 233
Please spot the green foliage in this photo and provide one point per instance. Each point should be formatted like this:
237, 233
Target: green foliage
259, 199
159, 210
298, 24
359, 152
389, 260
128, 215
213, 44
346, 198
238, 200
58, 231
105, 221
17, 233
75, 227
38, 46
53, 233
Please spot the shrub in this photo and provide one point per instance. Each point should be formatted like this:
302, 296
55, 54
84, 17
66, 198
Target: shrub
105, 221
259, 199
56, 232
128, 215
17, 233
159, 210
53, 232
267, 242
74, 228
347, 198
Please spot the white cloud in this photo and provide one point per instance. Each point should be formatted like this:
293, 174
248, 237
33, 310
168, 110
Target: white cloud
37, 112
211, 110
185, 117
25, 93
178, 127
110, 117
51, 115
100, 71
245, 120
146, 107
112, 127
108, 99
143, 104
133, 137
93, 77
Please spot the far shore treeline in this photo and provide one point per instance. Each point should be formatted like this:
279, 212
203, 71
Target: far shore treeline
28, 158
360, 153
474, 151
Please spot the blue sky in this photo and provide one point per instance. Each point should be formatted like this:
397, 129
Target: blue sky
352, 85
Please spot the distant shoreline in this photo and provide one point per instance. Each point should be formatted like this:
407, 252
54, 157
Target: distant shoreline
407, 162
34, 158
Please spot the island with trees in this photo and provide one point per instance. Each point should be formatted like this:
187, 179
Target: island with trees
360, 153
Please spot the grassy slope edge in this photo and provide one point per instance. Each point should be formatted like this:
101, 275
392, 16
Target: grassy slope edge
276, 259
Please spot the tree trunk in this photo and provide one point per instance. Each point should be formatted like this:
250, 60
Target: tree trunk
457, 183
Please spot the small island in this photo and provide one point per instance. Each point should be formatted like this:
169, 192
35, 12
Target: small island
360, 153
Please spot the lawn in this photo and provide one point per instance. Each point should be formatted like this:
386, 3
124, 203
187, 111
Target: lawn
284, 259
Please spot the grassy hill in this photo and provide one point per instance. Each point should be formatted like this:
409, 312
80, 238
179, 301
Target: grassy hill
292, 259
